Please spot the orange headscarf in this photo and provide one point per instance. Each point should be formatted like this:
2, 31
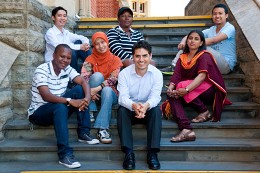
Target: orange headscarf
104, 63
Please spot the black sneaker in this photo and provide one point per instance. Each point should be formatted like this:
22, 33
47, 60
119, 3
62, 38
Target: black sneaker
70, 162
87, 139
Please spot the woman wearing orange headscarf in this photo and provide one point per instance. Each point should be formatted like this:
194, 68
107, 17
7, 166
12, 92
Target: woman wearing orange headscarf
102, 69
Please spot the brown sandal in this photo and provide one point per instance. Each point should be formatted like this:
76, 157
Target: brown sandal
202, 117
184, 135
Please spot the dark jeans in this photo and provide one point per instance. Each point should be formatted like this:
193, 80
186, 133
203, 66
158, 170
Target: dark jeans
78, 54
152, 120
57, 114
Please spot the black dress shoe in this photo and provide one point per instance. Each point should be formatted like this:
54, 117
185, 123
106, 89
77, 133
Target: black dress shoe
152, 161
129, 161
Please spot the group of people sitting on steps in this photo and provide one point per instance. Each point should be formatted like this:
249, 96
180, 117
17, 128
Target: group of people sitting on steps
120, 70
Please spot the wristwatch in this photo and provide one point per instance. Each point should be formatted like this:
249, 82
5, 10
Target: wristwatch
68, 101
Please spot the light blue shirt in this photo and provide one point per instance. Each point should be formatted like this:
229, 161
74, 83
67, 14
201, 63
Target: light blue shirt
134, 88
226, 47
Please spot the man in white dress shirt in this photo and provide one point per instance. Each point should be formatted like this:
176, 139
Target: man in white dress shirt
140, 86
59, 35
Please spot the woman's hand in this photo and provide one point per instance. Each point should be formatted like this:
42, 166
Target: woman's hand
94, 91
95, 97
170, 91
181, 92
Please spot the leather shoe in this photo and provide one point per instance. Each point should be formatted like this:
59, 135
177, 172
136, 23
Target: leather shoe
129, 161
152, 161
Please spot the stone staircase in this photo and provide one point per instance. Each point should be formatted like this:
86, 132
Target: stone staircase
230, 145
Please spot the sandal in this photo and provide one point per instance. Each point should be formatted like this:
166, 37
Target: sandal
202, 117
184, 135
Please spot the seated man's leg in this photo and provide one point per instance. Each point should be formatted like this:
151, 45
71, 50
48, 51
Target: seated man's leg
55, 114
154, 126
74, 61
78, 54
174, 61
124, 126
82, 116
221, 61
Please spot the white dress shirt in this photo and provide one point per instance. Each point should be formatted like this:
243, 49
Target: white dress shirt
54, 37
135, 89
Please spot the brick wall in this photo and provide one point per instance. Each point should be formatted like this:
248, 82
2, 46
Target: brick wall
104, 9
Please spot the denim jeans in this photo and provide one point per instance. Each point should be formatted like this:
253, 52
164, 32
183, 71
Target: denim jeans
78, 54
108, 99
57, 114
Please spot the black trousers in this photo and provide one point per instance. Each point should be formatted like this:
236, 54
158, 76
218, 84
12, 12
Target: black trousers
152, 120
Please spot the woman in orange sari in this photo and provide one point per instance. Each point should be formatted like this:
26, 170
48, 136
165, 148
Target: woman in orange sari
195, 82
101, 68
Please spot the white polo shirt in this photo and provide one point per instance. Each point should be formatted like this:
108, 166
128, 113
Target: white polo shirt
44, 75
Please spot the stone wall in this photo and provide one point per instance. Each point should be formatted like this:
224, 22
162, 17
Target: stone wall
22, 27
247, 58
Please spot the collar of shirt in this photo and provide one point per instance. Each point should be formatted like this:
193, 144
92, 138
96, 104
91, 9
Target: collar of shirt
134, 72
57, 31
120, 29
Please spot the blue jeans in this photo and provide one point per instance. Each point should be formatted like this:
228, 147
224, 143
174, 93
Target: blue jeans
108, 99
57, 114
78, 54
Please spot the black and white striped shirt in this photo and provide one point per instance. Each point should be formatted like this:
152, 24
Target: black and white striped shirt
120, 44
44, 75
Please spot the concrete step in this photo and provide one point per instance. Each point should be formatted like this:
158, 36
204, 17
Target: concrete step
203, 149
156, 36
154, 28
141, 167
227, 127
148, 20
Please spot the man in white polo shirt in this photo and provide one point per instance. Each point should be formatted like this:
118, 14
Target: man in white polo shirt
52, 104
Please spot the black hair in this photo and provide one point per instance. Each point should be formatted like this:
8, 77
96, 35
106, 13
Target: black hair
56, 9
221, 6
58, 47
202, 38
142, 44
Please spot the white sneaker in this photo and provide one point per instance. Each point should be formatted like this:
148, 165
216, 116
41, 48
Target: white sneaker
92, 118
104, 136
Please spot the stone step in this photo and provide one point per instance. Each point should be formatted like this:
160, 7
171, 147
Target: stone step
166, 28
148, 20
155, 36
227, 127
174, 166
203, 149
